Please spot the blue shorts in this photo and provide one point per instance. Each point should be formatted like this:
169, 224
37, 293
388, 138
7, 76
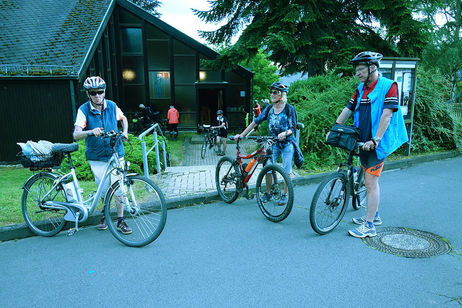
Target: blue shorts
287, 150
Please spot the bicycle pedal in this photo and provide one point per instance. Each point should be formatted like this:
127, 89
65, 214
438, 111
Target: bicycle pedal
71, 231
250, 196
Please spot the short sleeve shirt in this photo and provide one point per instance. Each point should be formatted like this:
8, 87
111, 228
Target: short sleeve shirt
365, 120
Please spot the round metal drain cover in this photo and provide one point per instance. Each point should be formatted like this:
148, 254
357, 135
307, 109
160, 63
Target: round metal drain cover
409, 243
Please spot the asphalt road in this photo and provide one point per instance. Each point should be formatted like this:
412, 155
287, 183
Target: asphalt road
220, 255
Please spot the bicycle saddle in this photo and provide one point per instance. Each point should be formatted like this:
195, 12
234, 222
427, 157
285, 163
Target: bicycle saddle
64, 147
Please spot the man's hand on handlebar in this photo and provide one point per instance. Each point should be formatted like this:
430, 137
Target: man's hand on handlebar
237, 137
97, 131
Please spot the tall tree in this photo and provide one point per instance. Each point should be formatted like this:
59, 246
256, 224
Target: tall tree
149, 5
314, 36
445, 49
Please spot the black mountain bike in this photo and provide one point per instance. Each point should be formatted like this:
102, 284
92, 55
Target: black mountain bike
331, 198
210, 140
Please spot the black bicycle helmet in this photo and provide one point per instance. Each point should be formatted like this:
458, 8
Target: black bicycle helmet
279, 86
368, 58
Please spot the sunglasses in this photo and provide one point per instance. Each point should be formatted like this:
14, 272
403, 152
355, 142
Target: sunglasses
97, 92
274, 92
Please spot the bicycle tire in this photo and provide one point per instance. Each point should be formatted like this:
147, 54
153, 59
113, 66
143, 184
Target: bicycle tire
227, 176
329, 203
360, 192
272, 209
204, 147
42, 221
146, 216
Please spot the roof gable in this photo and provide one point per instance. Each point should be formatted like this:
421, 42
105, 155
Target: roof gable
49, 36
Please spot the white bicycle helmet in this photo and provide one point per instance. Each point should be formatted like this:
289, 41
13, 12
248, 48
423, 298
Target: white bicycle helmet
94, 82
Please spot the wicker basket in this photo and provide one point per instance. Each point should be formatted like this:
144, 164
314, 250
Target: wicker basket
36, 162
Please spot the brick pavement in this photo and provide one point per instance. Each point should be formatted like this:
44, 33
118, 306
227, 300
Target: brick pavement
196, 175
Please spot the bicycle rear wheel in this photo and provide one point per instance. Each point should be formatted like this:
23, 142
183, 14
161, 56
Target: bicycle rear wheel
144, 210
360, 193
329, 203
227, 177
40, 220
204, 147
271, 199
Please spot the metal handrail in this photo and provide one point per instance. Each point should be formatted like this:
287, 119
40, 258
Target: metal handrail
155, 127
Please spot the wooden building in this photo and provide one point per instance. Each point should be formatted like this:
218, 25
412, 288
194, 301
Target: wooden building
47, 51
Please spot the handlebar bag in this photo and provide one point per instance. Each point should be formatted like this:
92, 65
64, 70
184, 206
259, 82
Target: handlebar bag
343, 136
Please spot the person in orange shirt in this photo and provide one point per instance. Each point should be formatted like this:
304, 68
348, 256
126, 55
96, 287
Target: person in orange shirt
173, 117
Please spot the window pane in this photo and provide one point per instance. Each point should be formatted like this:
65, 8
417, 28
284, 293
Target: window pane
159, 84
132, 40
132, 70
158, 55
185, 69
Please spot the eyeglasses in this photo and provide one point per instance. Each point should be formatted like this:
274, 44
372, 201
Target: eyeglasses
274, 92
359, 69
97, 92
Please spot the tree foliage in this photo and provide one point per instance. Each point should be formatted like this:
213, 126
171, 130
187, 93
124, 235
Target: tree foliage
314, 36
265, 74
149, 5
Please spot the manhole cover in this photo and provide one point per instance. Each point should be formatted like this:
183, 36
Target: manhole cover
409, 243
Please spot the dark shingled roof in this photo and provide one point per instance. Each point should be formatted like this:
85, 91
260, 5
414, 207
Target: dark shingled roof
49, 37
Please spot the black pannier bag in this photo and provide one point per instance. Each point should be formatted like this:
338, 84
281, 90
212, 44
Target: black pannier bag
343, 136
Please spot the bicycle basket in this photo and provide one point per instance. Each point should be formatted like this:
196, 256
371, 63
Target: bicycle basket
37, 161
343, 136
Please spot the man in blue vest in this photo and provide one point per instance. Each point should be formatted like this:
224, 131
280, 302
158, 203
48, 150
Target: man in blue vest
377, 114
93, 117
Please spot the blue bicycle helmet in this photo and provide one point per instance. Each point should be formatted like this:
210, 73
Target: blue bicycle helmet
279, 86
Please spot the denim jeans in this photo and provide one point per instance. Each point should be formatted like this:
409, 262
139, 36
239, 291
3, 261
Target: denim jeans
287, 151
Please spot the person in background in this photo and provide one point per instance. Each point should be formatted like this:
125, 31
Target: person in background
222, 132
173, 118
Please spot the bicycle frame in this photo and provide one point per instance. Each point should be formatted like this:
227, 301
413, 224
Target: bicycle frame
263, 152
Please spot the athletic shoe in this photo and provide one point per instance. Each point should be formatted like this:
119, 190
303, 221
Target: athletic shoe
361, 220
122, 227
283, 200
102, 225
363, 231
222, 153
266, 197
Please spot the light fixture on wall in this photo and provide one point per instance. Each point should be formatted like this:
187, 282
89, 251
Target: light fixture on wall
128, 75
202, 75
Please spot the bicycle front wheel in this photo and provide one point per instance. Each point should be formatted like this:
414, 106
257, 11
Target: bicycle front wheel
329, 203
275, 195
142, 205
227, 178
41, 220
204, 147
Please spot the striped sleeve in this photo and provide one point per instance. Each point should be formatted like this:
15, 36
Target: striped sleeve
391, 98
352, 103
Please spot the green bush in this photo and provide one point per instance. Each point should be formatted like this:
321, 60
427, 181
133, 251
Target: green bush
320, 99
133, 154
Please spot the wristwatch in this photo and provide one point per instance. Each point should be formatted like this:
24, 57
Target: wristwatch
376, 140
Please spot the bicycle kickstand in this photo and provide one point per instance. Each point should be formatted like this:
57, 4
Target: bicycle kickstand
72, 231
249, 196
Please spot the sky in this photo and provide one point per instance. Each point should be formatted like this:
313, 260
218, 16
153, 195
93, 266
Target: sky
178, 14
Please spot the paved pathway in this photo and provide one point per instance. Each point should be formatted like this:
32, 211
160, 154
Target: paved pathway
196, 175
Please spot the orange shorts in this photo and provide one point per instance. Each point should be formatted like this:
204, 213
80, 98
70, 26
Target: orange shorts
371, 163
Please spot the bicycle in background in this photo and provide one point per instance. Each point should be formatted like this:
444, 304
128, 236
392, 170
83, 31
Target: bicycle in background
332, 196
232, 177
51, 198
210, 140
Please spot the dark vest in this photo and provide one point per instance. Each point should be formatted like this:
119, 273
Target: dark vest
98, 148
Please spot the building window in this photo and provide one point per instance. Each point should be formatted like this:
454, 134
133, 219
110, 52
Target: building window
159, 84
132, 40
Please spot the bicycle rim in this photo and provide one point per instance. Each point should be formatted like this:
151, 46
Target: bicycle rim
226, 178
275, 193
40, 220
144, 211
329, 203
